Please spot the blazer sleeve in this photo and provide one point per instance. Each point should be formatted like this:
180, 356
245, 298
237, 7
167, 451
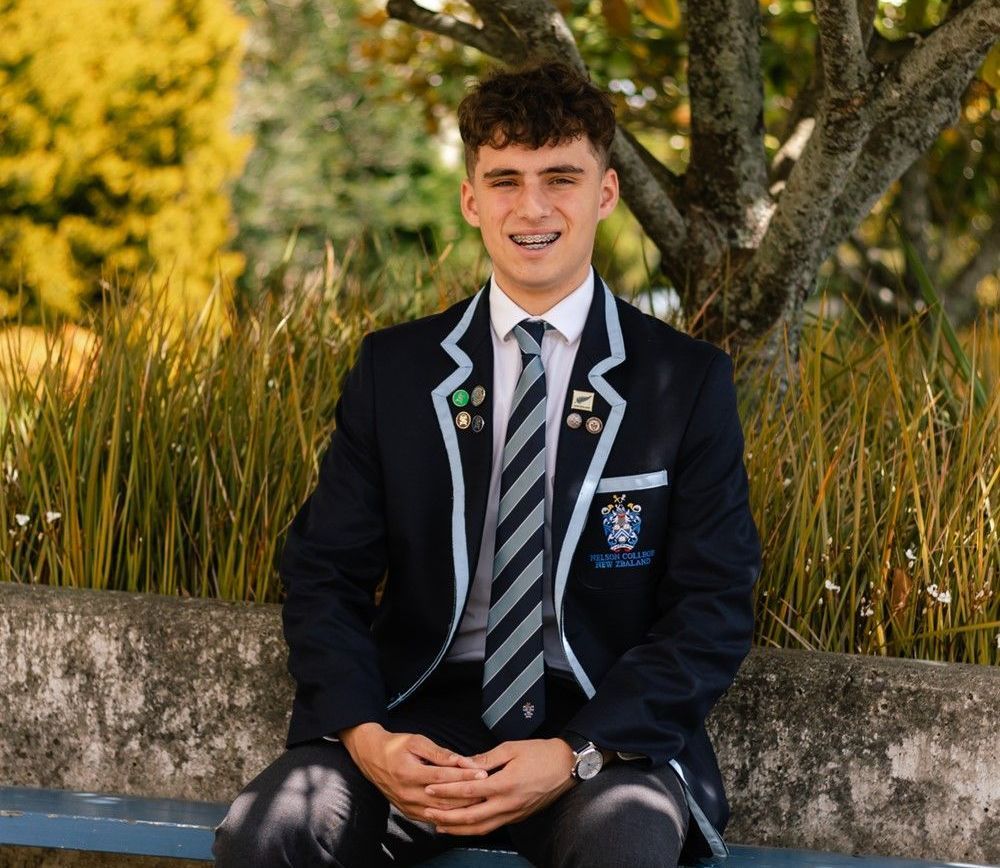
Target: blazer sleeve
332, 561
659, 692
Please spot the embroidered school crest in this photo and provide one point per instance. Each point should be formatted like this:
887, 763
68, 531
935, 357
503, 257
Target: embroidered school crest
621, 524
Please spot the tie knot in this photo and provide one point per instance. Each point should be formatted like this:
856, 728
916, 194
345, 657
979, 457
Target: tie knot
529, 335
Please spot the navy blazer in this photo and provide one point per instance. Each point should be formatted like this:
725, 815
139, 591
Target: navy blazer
655, 552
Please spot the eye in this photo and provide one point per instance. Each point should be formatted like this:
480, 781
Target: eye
564, 181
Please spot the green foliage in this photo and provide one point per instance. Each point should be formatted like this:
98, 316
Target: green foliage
114, 148
175, 467
339, 150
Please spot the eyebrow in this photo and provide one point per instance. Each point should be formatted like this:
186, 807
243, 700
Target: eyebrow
564, 169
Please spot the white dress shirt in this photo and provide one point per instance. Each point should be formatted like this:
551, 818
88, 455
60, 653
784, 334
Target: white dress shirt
559, 346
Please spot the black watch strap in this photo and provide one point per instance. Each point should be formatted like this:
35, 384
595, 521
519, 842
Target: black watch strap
576, 741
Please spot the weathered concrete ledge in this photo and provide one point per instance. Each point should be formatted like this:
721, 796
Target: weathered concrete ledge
189, 698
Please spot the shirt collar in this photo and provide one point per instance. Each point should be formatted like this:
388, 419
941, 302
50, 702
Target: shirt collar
567, 316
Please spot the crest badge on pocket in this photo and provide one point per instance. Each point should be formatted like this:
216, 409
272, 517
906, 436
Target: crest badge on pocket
622, 524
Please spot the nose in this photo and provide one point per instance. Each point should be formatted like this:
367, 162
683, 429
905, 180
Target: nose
532, 204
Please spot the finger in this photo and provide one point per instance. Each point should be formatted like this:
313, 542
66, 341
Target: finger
465, 789
449, 804
500, 755
445, 774
458, 817
426, 749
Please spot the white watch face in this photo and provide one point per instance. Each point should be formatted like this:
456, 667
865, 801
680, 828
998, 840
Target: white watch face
589, 764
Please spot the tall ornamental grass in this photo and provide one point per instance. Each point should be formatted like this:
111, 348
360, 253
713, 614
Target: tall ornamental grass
142, 462
875, 484
138, 461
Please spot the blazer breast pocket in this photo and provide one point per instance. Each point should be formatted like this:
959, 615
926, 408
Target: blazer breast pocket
623, 531
636, 482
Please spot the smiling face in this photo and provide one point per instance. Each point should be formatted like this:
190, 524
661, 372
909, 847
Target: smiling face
538, 210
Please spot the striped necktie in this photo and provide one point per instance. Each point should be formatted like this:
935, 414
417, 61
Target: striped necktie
514, 666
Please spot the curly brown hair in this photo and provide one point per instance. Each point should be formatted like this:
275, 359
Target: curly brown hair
547, 104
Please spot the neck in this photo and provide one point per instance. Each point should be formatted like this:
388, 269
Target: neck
537, 303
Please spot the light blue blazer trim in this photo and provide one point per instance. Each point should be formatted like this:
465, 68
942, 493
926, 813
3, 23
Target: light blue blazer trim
714, 839
632, 483
589, 486
459, 548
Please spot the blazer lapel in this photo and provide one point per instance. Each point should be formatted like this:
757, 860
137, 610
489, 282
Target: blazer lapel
577, 445
582, 451
468, 443
476, 441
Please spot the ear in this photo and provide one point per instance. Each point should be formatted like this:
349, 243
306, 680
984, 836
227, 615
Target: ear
609, 193
467, 199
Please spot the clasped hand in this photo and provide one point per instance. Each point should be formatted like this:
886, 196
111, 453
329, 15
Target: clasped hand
465, 795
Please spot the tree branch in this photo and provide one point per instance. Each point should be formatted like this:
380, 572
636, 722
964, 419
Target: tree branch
537, 26
728, 163
866, 10
445, 25
891, 148
670, 183
918, 97
792, 250
845, 66
951, 53
647, 198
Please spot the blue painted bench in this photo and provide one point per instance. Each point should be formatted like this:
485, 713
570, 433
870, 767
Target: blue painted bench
168, 827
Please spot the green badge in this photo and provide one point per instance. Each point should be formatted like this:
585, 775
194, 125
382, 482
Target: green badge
460, 398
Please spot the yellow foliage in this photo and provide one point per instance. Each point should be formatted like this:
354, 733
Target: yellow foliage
990, 71
115, 147
666, 13
26, 352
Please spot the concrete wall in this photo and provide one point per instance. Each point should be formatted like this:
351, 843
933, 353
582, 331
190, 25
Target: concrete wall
157, 696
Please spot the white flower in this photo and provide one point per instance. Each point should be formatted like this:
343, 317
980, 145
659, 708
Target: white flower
998, 641
943, 597
911, 556
22, 519
52, 516
830, 586
786, 482
867, 610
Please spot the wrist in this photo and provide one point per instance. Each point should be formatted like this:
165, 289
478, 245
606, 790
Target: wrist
587, 758
355, 737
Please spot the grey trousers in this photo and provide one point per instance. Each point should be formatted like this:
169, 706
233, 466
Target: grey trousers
314, 807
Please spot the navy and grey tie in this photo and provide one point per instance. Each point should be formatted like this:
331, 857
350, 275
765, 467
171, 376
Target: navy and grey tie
514, 665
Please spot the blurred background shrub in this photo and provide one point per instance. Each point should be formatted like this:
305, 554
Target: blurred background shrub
115, 149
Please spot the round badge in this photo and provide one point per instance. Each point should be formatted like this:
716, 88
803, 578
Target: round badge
574, 420
478, 396
594, 425
478, 423
463, 420
460, 398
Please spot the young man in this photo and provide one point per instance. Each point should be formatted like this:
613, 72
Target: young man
552, 485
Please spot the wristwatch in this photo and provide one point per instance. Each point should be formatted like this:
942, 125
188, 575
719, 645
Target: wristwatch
588, 759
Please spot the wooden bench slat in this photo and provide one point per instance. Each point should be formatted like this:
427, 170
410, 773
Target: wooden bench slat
108, 823
132, 825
